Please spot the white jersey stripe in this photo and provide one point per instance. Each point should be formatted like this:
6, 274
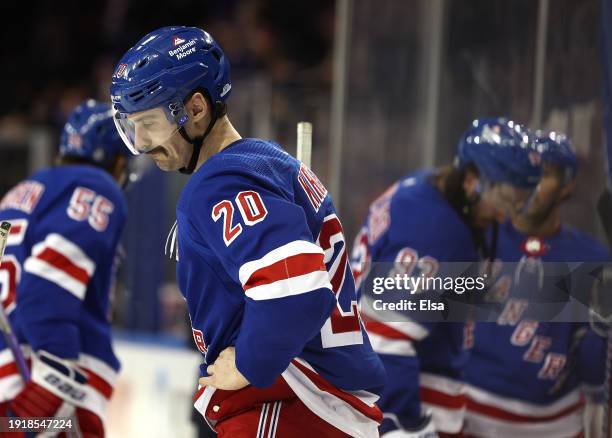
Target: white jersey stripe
68, 249
99, 367
520, 407
290, 286
57, 276
274, 421
18, 231
72, 272
262, 420
481, 425
447, 418
397, 347
290, 249
410, 328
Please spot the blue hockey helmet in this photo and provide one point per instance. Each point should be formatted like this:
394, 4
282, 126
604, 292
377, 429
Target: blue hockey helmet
158, 74
557, 149
502, 151
90, 134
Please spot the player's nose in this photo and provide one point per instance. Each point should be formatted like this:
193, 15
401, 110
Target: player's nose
142, 140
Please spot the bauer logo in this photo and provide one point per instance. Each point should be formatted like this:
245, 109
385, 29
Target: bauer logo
65, 387
121, 70
177, 40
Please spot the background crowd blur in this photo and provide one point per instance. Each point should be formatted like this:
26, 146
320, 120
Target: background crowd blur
388, 84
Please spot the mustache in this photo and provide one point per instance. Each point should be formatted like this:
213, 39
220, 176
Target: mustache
155, 149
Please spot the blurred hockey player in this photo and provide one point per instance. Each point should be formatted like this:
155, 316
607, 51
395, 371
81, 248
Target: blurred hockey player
529, 377
425, 219
260, 251
57, 273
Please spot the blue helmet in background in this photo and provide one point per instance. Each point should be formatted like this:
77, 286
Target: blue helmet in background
90, 134
502, 151
165, 67
556, 148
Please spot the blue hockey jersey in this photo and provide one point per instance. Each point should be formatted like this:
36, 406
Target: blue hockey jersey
413, 222
263, 265
57, 270
525, 375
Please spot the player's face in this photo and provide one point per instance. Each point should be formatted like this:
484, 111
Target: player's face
547, 195
172, 154
485, 213
509, 199
499, 201
151, 132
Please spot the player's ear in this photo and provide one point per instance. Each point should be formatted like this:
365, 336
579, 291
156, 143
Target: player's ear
197, 107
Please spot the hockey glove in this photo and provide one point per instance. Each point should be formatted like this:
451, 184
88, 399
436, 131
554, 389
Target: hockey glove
55, 381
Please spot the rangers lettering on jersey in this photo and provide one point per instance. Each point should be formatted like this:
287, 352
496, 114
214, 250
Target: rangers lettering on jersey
311, 185
526, 375
24, 196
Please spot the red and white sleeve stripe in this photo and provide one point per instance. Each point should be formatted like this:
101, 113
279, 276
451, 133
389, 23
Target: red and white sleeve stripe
489, 414
62, 262
393, 337
387, 340
291, 269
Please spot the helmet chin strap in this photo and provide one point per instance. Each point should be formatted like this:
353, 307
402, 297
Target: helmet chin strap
197, 143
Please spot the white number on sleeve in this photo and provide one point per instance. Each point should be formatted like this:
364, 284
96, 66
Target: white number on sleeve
85, 204
251, 208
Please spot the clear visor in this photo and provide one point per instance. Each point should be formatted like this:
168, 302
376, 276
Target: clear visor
144, 131
506, 198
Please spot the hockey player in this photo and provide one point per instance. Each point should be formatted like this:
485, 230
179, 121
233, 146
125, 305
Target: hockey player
57, 272
428, 218
525, 374
261, 256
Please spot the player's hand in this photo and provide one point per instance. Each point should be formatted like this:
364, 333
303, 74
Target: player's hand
223, 374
